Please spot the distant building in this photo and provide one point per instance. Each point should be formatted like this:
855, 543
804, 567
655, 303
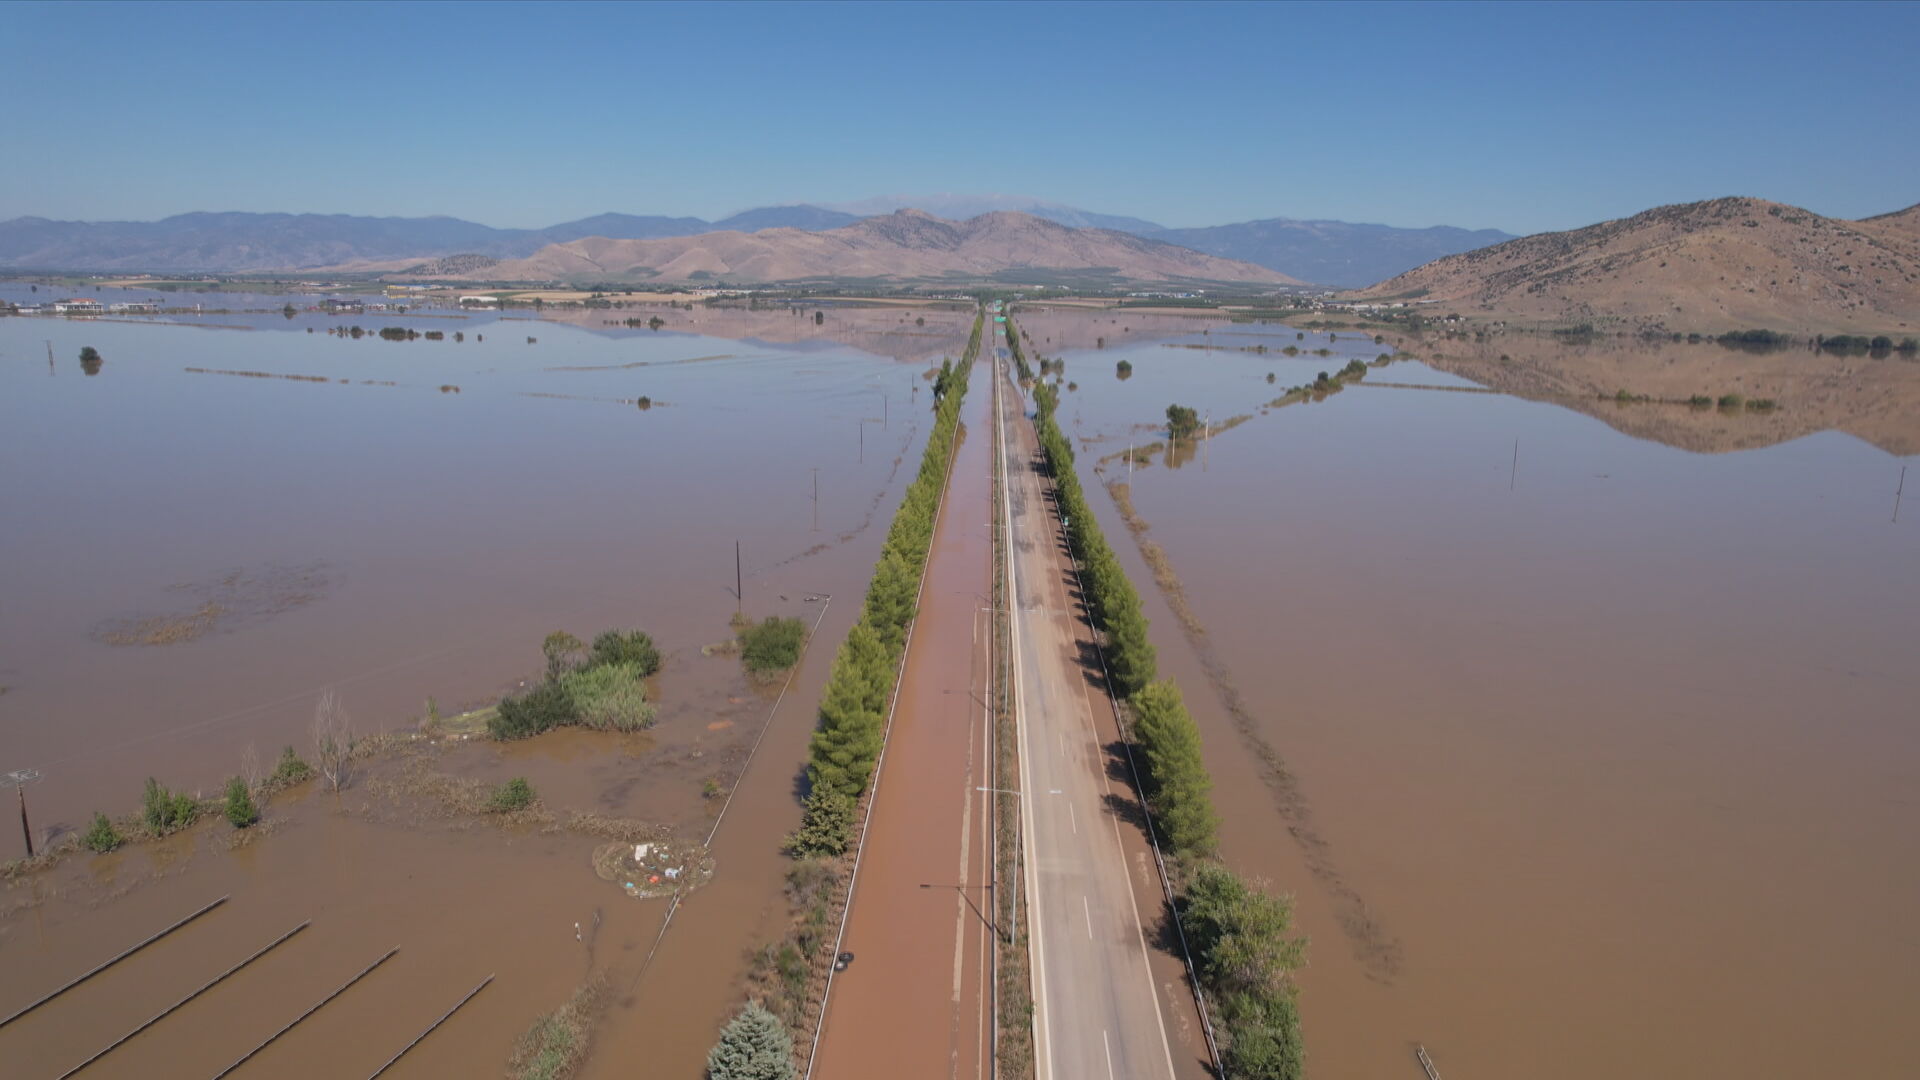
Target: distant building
342, 303
82, 306
134, 307
479, 301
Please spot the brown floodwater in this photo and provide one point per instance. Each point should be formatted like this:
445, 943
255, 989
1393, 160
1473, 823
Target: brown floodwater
1603, 757
366, 528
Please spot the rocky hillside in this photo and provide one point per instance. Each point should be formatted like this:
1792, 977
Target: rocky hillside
1708, 266
904, 245
1331, 252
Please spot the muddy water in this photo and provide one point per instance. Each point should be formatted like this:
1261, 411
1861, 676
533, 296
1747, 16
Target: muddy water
459, 903
1607, 772
433, 537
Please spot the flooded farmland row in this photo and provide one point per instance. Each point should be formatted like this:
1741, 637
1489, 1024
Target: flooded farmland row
1599, 714
192, 556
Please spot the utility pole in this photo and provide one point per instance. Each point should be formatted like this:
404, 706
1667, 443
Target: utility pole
1897, 493
739, 590
1515, 473
20, 779
816, 498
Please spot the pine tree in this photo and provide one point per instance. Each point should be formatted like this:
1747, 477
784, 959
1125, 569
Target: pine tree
753, 1046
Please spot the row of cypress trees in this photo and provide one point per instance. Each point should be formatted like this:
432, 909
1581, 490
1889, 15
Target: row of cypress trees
853, 708
1242, 940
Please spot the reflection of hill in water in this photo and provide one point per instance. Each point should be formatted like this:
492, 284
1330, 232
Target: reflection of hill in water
1876, 400
916, 333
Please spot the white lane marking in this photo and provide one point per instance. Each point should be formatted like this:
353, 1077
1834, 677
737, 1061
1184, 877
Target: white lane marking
1088, 911
1073, 819
1108, 1047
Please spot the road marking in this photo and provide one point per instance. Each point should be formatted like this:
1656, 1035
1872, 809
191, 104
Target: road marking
1108, 1047
1074, 819
1088, 911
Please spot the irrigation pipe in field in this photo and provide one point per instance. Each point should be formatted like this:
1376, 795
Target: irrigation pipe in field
444, 1017
291, 1024
115, 960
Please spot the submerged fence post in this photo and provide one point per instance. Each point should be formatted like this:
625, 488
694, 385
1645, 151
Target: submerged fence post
1897, 493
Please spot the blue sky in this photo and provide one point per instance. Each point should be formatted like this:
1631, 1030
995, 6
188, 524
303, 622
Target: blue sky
1510, 116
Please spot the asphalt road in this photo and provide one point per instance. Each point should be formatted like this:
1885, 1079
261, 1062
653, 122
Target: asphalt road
1098, 992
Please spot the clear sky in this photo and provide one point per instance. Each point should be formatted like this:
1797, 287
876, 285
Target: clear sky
1508, 115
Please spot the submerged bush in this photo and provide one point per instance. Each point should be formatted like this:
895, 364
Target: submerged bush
609, 697
166, 811
626, 647
515, 794
542, 708
101, 836
773, 644
241, 811
290, 769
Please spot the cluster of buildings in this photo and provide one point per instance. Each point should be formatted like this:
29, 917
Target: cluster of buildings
87, 306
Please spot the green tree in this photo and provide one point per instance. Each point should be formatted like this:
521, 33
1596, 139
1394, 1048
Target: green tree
1182, 421
753, 1046
90, 360
1179, 786
240, 809
1130, 655
826, 828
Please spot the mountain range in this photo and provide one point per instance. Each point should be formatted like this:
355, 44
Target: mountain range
1322, 252
901, 246
1712, 266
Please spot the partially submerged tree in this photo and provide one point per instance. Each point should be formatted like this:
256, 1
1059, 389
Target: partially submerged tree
332, 740
1182, 421
564, 652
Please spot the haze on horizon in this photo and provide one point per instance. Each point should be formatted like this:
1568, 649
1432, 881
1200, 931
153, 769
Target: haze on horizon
1518, 118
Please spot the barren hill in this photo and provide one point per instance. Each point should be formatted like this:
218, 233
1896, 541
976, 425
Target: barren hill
1708, 266
906, 244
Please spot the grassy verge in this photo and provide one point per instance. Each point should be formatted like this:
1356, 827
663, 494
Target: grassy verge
557, 1043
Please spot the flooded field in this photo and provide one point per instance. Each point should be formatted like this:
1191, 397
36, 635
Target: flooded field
226, 514
1594, 756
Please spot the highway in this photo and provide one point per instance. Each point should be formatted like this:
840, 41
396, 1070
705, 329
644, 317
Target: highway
1101, 994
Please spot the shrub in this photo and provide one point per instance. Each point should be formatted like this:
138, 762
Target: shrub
1700, 401
1731, 401
626, 647
290, 769
240, 809
1123, 370
515, 794
609, 697
773, 644
166, 811
542, 708
101, 836
753, 1046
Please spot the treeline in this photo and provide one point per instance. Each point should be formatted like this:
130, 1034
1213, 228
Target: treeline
1241, 938
853, 707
